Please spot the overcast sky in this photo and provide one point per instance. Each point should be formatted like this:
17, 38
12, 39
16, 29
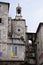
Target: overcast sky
32, 11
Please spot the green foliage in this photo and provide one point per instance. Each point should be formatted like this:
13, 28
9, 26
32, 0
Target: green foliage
33, 54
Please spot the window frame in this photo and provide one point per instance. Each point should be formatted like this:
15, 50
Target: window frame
0, 34
0, 8
1, 47
15, 55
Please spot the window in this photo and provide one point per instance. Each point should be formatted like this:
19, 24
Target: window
0, 34
0, 47
0, 8
0, 20
14, 49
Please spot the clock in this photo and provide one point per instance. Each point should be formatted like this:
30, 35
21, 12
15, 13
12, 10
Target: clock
19, 30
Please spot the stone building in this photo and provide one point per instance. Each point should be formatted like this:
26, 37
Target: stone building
30, 52
15, 47
4, 9
12, 35
39, 42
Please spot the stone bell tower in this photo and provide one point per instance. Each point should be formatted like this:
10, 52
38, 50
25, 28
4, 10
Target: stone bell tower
19, 24
18, 10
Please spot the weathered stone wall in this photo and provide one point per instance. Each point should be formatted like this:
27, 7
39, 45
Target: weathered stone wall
11, 63
4, 24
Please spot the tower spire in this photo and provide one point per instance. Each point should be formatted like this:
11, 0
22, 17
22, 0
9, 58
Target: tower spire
18, 2
18, 10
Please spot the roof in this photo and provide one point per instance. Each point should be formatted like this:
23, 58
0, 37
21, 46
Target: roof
5, 3
40, 24
30, 33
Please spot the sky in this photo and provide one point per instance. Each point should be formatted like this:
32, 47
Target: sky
32, 12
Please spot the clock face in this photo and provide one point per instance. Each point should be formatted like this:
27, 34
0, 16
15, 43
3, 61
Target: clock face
19, 30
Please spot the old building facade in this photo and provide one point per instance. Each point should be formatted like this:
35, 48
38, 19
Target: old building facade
14, 39
39, 42
12, 35
4, 8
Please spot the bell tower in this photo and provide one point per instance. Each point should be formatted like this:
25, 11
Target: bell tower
19, 24
18, 9
18, 12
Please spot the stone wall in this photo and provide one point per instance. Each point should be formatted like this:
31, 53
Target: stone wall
11, 63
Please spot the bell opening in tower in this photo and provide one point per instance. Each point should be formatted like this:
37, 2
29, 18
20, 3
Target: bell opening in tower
18, 10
